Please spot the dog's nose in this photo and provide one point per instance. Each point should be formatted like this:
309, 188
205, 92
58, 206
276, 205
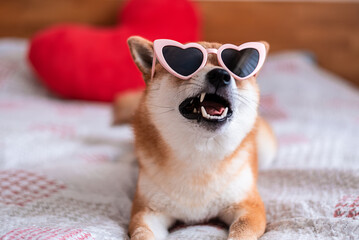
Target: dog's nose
219, 77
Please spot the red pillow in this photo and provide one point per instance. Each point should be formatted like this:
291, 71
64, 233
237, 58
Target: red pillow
82, 62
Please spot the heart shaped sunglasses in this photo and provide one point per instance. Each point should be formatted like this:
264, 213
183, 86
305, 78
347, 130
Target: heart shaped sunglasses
183, 61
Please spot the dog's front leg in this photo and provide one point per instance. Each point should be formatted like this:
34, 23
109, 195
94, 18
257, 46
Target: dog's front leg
147, 224
247, 219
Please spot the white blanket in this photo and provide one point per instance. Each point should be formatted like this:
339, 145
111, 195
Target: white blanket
65, 173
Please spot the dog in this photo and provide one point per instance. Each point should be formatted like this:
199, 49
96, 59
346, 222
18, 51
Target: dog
197, 142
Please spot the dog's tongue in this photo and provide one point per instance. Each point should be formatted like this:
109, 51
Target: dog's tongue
213, 108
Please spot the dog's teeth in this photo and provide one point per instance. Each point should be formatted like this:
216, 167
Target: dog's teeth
191, 101
202, 97
194, 110
224, 114
204, 113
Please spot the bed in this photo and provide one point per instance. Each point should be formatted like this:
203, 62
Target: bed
67, 173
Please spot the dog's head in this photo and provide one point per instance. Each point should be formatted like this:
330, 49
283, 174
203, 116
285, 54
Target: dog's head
210, 104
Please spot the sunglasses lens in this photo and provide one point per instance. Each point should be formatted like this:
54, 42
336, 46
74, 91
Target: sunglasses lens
242, 63
183, 61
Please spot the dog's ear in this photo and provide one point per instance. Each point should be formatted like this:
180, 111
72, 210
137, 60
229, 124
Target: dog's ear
266, 45
142, 53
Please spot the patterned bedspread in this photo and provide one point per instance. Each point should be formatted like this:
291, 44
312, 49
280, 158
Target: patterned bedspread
66, 173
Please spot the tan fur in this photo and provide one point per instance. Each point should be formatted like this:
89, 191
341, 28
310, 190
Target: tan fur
148, 138
169, 189
125, 106
138, 227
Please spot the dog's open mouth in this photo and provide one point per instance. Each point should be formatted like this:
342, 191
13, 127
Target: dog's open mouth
209, 107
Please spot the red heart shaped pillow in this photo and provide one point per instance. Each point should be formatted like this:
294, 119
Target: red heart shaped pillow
82, 62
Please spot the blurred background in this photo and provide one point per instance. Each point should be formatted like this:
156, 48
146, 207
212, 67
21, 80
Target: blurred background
329, 29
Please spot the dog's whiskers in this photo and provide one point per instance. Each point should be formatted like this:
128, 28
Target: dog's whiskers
153, 105
257, 104
159, 113
189, 89
192, 83
252, 104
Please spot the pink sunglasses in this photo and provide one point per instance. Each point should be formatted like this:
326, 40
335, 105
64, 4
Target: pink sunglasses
183, 61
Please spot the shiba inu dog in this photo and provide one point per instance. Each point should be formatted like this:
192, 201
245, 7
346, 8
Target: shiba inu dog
198, 136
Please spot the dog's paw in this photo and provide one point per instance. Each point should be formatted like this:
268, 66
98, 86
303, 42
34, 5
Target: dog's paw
243, 238
142, 234
236, 236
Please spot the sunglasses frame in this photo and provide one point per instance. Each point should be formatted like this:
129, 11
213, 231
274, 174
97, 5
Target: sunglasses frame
159, 44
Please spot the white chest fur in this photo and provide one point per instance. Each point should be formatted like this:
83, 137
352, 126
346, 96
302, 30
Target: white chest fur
179, 195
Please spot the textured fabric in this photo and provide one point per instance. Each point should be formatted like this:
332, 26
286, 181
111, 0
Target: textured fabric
65, 173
